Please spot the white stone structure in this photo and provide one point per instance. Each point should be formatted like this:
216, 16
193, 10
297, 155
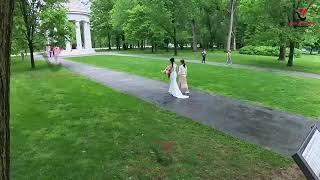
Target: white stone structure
80, 15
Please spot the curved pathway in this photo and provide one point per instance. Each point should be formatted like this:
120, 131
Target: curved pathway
272, 129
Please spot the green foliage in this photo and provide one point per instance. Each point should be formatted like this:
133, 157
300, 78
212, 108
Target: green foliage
55, 26
141, 23
259, 50
35, 20
266, 51
19, 43
101, 11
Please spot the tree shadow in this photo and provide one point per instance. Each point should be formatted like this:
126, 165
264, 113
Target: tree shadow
19, 67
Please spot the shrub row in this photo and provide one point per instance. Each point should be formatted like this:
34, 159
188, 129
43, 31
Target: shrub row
266, 51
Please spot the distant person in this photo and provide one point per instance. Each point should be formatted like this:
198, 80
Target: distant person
56, 52
22, 56
229, 58
204, 56
183, 71
51, 51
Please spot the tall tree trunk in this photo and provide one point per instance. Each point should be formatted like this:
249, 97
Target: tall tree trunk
31, 49
124, 45
175, 40
6, 11
282, 53
234, 42
234, 36
93, 40
209, 44
109, 40
194, 36
234, 32
118, 43
291, 54
232, 11
152, 47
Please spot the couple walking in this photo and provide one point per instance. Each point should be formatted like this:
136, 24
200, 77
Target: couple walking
55, 52
172, 72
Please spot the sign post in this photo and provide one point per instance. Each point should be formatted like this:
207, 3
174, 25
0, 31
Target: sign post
308, 156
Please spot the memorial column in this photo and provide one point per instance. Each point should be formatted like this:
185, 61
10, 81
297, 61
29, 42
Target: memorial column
68, 45
87, 35
78, 35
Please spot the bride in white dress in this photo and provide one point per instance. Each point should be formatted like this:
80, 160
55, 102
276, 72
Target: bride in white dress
174, 88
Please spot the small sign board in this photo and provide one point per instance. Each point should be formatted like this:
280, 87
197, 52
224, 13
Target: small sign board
308, 156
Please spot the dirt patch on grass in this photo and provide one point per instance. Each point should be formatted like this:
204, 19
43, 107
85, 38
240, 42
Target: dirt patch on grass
291, 173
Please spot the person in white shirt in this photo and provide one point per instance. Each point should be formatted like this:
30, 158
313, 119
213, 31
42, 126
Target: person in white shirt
183, 71
229, 60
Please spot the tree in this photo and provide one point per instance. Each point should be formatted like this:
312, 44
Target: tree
178, 11
19, 43
213, 23
276, 11
119, 18
55, 27
294, 31
6, 11
101, 11
311, 39
231, 23
141, 22
31, 11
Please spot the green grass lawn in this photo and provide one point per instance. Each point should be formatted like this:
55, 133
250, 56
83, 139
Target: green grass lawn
307, 63
67, 127
295, 95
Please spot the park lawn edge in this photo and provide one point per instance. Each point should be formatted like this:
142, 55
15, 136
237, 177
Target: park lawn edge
210, 92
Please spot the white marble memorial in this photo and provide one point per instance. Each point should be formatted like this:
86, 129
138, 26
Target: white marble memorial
312, 154
79, 14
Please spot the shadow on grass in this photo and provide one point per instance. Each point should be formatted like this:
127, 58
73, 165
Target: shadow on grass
19, 67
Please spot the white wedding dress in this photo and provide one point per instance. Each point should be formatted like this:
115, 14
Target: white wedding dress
174, 88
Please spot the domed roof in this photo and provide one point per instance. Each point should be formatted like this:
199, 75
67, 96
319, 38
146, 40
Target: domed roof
76, 6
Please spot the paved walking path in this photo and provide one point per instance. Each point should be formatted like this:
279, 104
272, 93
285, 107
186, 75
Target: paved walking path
275, 130
239, 66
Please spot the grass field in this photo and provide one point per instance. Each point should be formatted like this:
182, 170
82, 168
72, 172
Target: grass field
307, 63
295, 95
67, 127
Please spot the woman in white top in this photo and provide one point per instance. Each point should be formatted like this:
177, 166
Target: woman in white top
183, 71
174, 88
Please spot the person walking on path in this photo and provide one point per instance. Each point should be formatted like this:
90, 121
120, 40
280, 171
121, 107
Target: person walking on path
22, 55
204, 56
229, 58
183, 71
56, 51
51, 52
174, 88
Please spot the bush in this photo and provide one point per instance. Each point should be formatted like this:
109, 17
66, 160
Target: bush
266, 51
297, 53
